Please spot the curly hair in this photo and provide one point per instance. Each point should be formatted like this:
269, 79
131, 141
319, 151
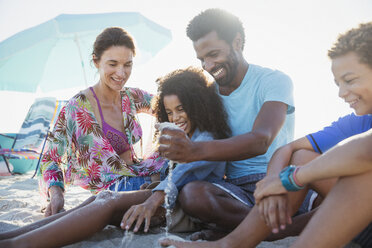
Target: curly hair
224, 23
199, 99
357, 40
113, 36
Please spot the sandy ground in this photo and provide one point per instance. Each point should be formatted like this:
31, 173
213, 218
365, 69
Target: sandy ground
20, 205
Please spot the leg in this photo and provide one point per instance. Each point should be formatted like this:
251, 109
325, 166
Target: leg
107, 208
350, 200
43, 222
248, 234
322, 187
253, 227
211, 204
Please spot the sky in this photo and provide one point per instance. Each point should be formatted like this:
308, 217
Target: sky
288, 35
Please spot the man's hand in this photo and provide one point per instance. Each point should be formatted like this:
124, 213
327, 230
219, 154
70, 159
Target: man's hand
142, 212
270, 185
57, 201
272, 202
176, 146
275, 211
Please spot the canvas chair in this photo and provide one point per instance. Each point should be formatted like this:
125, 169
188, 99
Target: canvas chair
29, 142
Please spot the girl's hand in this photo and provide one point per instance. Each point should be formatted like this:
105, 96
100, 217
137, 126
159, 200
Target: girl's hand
142, 212
270, 185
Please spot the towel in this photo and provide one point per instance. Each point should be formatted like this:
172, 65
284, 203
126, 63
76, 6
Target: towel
36, 124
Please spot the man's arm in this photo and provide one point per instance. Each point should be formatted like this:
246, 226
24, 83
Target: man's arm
176, 146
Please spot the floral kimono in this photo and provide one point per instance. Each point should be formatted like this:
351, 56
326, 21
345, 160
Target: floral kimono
77, 152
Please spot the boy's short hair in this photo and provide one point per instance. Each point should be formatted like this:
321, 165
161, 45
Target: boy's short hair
357, 40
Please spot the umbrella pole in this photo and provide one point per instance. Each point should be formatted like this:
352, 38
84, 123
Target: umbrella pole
76, 39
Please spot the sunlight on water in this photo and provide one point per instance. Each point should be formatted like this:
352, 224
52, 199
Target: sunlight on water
127, 239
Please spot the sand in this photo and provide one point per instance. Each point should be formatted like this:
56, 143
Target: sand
20, 204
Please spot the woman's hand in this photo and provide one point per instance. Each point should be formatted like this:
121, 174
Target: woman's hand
57, 201
142, 212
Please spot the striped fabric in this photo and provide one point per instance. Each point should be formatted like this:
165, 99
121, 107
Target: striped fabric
28, 142
20, 153
59, 104
36, 124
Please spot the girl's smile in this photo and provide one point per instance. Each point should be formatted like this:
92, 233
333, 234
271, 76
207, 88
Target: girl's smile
177, 114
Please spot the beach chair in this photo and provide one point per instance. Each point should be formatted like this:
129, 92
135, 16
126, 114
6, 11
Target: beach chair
28, 144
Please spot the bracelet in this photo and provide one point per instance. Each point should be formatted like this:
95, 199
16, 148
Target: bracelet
287, 176
295, 177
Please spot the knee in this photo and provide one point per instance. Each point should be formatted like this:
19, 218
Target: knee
303, 156
105, 198
194, 195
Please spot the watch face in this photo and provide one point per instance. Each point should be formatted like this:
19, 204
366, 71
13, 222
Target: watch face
288, 179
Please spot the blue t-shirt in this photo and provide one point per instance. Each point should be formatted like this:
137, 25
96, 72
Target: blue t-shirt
339, 130
243, 105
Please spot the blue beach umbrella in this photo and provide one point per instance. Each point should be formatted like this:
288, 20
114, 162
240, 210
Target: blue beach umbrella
57, 54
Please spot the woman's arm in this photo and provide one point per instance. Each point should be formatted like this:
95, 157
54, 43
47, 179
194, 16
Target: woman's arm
52, 185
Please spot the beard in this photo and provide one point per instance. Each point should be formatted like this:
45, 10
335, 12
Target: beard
231, 67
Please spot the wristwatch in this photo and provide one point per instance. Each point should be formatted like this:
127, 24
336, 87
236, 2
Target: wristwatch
287, 176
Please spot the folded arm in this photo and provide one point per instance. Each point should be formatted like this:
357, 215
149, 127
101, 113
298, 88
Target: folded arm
350, 158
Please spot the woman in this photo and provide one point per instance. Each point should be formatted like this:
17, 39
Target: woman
189, 100
92, 142
343, 175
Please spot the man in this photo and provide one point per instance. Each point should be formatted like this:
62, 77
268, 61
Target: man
260, 106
